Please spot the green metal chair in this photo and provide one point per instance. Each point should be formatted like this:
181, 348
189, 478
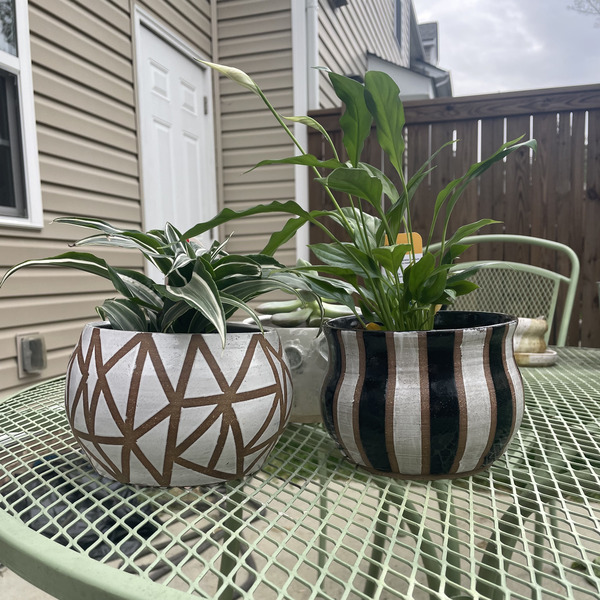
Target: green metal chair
521, 289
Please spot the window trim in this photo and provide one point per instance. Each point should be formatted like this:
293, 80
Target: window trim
20, 66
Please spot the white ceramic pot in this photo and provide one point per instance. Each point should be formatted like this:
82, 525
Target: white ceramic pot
529, 335
307, 356
177, 409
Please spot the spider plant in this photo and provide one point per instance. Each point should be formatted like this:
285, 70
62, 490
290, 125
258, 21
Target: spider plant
202, 287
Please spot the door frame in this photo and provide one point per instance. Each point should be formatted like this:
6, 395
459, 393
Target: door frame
144, 19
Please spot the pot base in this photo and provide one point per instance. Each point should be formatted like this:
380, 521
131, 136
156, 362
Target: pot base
403, 477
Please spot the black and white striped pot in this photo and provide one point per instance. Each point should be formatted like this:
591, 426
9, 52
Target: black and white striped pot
424, 404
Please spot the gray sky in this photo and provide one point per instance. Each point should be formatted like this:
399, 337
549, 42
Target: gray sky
505, 45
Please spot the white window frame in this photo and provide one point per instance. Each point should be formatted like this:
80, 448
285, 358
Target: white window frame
20, 66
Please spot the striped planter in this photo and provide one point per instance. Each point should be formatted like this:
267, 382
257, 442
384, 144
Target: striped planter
167, 409
424, 404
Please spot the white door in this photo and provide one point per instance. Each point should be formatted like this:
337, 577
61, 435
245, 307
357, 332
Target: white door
177, 139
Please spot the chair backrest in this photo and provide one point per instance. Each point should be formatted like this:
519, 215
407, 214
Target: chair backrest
520, 289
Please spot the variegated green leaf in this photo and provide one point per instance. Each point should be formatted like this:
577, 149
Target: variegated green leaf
201, 293
82, 261
123, 315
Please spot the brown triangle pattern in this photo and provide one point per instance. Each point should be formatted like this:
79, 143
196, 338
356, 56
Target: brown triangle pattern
89, 384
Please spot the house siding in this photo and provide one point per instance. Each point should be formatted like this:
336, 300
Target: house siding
83, 77
257, 38
347, 33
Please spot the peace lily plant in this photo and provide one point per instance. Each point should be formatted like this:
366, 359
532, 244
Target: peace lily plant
202, 289
381, 281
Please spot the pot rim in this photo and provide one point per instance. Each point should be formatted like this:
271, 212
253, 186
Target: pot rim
349, 323
233, 328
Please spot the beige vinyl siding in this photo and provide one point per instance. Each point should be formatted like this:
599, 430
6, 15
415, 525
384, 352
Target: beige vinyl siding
83, 77
188, 19
257, 38
346, 34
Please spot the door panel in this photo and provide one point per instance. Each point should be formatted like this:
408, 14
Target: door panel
177, 138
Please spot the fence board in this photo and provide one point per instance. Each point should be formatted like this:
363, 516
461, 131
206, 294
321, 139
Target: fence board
555, 196
491, 185
591, 255
574, 233
466, 209
517, 217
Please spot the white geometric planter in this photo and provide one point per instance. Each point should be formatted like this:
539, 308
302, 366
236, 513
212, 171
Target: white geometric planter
177, 409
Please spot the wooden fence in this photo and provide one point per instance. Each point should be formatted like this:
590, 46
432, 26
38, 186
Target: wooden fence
554, 194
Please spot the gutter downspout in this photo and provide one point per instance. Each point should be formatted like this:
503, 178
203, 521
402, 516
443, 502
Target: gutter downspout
305, 56
312, 52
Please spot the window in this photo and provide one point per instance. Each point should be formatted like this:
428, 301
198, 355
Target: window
20, 196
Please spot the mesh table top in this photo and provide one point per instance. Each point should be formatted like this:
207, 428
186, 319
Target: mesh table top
310, 525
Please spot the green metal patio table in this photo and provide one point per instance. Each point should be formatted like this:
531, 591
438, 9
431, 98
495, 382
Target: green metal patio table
310, 525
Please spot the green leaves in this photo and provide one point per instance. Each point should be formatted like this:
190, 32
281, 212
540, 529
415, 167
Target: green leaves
123, 315
391, 257
202, 288
382, 97
356, 120
356, 182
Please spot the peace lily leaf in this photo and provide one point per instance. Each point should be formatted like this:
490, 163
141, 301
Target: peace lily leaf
453, 252
341, 273
227, 215
308, 160
356, 120
460, 273
388, 188
420, 272
460, 184
461, 288
333, 289
362, 227
382, 97
356, 182
346, 256
467, 230
433, 288
391, 257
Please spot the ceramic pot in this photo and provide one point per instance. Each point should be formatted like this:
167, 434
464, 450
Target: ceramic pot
177, 409
529, 335
424, 404
307, 356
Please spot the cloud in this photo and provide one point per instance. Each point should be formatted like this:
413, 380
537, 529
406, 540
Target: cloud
492, 46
